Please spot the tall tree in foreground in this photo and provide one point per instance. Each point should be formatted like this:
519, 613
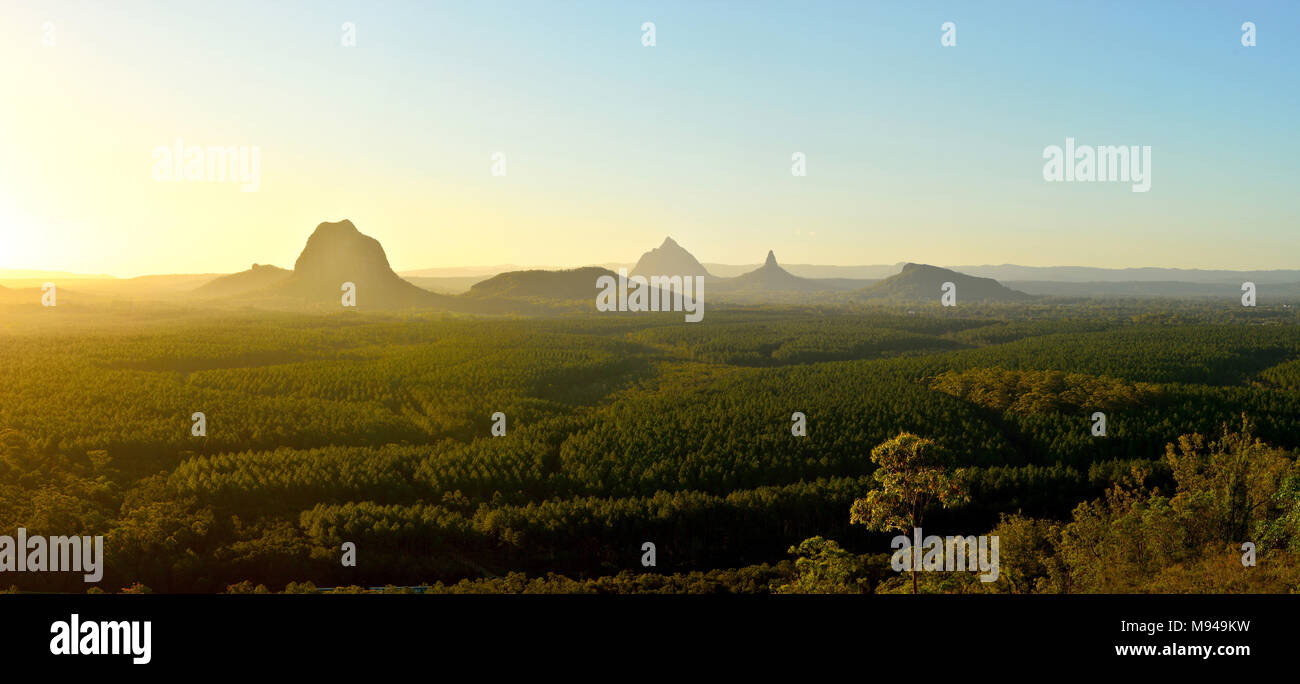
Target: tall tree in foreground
912, 474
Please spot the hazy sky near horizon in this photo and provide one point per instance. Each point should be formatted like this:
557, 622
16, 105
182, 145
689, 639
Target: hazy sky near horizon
915, 151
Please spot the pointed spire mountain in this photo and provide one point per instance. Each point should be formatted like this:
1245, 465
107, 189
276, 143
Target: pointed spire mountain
770, 276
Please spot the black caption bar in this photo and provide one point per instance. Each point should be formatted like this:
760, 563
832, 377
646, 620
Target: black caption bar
345, 632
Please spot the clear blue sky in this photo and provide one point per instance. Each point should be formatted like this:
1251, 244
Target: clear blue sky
915, 151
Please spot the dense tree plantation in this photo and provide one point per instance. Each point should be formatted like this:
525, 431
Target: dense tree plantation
621, 429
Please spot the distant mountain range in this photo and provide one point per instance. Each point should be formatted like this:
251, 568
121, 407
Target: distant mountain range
475, 271
448, 284
1157, 289
336, 253
1007, 272
1002, 273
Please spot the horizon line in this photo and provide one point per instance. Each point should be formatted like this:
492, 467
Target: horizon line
10, 273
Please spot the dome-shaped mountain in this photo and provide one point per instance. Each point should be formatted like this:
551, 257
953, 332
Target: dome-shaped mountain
921, 282
669, 259
337, 253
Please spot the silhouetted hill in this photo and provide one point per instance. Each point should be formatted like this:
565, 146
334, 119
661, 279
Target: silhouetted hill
921, 282
577, 283
669, 259
337, 253
258, 277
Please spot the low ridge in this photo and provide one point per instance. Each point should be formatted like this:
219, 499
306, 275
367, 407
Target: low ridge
922, 283
259, 277
576, 283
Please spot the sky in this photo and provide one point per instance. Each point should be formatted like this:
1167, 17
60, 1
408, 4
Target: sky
915, 151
